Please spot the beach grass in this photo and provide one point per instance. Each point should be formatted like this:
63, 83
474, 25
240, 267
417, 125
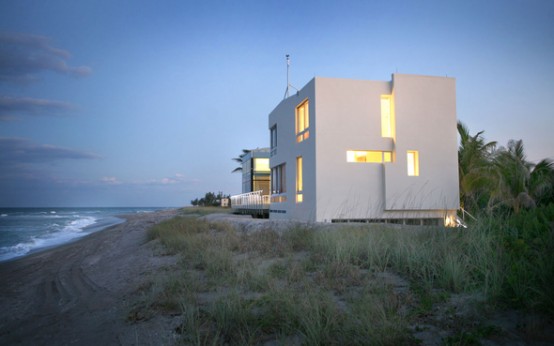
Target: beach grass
202, 211
349, 284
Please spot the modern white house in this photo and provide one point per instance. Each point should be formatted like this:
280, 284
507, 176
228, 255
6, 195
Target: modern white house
368, 151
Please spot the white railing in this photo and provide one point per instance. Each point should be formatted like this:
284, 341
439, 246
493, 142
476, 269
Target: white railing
250, 200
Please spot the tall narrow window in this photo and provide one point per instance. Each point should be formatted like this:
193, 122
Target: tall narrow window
278, 179
413, 163
299, 182
273, 141
387, 116
302, 119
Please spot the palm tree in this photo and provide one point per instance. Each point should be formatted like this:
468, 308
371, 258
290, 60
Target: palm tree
494, 179
239, 160
522, 184
475, 170
541, 182
514, 174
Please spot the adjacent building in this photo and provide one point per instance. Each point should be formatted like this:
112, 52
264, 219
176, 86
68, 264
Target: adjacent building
254, 199
255, 171
374, 151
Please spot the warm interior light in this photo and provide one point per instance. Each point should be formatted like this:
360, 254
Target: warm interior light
302, 122
413, 163
371, 156
261, 165
386, 116
450, 221
299, 180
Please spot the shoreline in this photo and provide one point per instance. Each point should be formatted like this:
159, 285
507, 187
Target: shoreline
79, 292
90, 230
25, 231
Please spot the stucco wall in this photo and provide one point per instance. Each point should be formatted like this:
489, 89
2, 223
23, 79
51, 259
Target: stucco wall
346, 115
288, 150
425, 121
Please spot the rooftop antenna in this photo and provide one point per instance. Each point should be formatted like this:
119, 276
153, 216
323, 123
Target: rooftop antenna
288, 83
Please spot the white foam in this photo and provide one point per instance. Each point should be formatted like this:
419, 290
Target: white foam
79, 224
21, 249
75, 229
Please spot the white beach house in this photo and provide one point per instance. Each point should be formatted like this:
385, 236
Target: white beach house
373, 151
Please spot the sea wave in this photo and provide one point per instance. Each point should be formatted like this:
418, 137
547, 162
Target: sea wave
26, 230
59, 234
79, 224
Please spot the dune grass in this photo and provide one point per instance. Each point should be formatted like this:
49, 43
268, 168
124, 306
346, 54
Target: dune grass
349, 284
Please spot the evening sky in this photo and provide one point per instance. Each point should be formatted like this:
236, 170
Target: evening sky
145, 103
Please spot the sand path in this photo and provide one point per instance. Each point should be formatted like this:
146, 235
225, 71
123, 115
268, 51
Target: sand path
79, 293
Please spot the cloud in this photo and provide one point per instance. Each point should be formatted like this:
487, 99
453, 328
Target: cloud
178, 178
17, 151
24, 56
13, 107
111, 181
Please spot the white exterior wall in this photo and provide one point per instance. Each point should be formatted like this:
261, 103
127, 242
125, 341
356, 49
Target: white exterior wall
346, 115
425, 121
288, 150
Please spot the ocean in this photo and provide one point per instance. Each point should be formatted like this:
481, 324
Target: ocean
27, 230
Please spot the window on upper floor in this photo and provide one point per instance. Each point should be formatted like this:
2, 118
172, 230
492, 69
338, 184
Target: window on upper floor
371, 156
299, 180
261, 165
302, 120
387, 116
273, 139
413, 163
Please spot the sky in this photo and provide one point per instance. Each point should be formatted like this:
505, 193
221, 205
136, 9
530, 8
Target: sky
145, 103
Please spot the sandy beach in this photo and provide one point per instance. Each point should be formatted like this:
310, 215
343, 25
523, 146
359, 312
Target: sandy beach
80, 293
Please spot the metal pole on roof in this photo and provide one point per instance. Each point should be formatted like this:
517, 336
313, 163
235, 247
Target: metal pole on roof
288, 84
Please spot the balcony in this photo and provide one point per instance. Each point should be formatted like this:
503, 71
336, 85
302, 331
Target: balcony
251, 203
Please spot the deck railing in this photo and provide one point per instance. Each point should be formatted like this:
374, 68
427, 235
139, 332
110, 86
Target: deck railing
251, 203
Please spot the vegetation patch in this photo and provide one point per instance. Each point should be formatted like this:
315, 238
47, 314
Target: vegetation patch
349, 284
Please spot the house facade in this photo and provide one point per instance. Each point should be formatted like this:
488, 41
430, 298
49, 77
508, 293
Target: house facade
255, 171
254, 199
372, 151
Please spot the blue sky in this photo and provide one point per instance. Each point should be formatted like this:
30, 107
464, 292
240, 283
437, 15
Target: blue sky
144, 103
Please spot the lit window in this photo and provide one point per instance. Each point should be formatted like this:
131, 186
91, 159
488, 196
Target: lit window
261, 165
302, 121
387, 116
413, 163
371, 156
299, 183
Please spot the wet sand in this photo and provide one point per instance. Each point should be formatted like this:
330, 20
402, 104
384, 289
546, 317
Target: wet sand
80, 293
